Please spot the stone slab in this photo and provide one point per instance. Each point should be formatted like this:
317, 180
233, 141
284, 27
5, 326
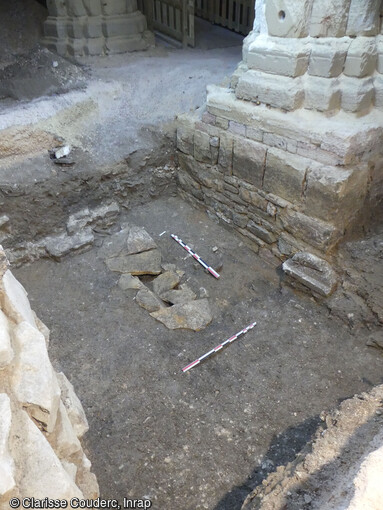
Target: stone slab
148, 300
194, 315
147, 262
249, 161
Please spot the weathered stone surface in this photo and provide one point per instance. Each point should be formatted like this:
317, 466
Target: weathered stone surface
249, 161
311, 271
288, 19
166, 281
3, 262
194, 315
63, 438
127, 281
78, 220
261, 232
357, 94
363, 18
350, 307
147, 262
361, 57
7, 468
285, 174
322, 94
148, 300
327, 57
43, 474
6, 351
375, 340
138, 241
315, 232
202, 150
185, 135
329, 18
72, 405
34, 381
86, 480
335, 193
181, 295
15, 301
285, 93
282, 58
61, 245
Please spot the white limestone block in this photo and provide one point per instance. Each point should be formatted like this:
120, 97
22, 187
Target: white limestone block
260, 24
86, 480
287, 58
63, 439
357, 94
73, 406
7, 468
6, 351
363, 18
42, 328
329, 18
288, 18
15, 299
322, 94
361, 57
285, 92
379, 48
43, 475
328, 56
34, 380
378, 83
70, 468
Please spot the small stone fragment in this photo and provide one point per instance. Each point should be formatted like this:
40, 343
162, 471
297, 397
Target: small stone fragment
16, 303
72, 405
127, 281
6, 351
312, 271
194, 315
148, 300
78, 220
63, 439
181, 295
7, 481
61, 245
139, 241
166, 281
203, 293
148, 262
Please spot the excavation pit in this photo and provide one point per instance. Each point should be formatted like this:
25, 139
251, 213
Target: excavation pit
206, 438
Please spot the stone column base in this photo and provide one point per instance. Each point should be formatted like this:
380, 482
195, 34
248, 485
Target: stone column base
97, 35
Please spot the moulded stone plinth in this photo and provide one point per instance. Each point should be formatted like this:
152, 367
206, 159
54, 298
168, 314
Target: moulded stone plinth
361, 57
357, 94
285, 92
322, 94
286, 58
328, 56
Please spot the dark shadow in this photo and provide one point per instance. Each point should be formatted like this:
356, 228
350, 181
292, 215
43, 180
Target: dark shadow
283, 449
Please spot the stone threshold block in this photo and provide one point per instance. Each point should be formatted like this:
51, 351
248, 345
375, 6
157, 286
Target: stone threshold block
282, 57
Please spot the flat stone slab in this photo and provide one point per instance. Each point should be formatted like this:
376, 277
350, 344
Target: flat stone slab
62, 245
147, 262
148, 300
139, 241
312, 272
128, 281
166, 281
178, 296
195, 315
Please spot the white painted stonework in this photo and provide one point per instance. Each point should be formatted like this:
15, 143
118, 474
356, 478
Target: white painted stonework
41, 418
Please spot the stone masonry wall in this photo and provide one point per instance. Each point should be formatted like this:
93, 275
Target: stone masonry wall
95, 27
290, 155
41, 418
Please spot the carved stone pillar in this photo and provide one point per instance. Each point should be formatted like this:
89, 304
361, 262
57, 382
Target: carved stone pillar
291, 155
95, 27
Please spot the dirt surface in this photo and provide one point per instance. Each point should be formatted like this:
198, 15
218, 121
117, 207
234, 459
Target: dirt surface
206, 438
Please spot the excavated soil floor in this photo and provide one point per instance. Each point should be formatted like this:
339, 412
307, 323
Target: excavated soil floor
205, 438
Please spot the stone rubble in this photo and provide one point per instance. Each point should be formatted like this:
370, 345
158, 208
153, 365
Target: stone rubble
133, 253
41, 419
